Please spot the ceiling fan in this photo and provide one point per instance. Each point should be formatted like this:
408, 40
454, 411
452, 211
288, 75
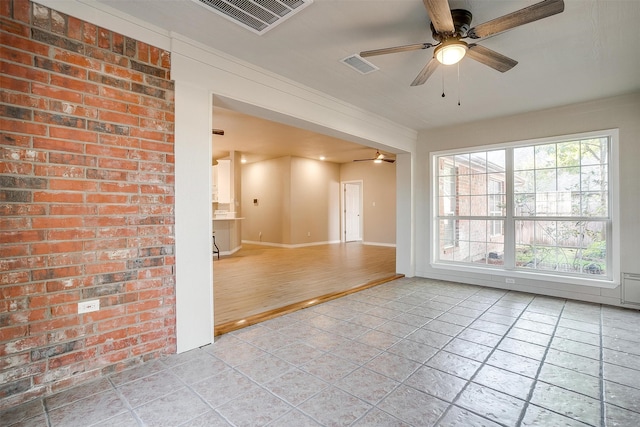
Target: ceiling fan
450, 27
379, 158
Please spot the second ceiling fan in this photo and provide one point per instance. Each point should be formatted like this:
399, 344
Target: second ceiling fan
450, 27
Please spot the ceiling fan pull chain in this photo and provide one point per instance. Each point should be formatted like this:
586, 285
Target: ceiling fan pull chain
442, 74
458, 84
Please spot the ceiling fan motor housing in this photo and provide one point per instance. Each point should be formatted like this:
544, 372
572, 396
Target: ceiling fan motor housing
461, 23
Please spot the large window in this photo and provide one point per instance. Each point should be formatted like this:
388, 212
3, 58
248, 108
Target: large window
537, 207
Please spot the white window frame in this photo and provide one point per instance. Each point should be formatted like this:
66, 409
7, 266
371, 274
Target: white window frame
611, 280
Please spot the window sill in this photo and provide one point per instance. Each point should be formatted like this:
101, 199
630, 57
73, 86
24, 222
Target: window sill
605, 283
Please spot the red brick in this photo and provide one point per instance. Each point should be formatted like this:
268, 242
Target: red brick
65, 259
104, 38
58, 145
67, 209
61, 171
19, 126
107, 163
127, 119
76, 59
153, 145
13, 55
13, 332
14, 140
89, 33
48, 300
23, 236
72, 185
148, 347
103, 313
165, 58
22, 10
21, 263
114, 357
107, 151
25, 100
117, 231
57, 93
56, 273
64, 310
122, 72
74, 28
7, 251
68, 284
56, 247
22, 72
8, 83
22, 345
106, 198
106, 336
57, 197
56, 222
68, 234
6, 9
73, 109
143, 52
106, 103
121, 95
108, 187
67, 359
81, 86
25, 44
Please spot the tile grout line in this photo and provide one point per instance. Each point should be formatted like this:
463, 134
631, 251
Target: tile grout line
484, 363
544, 357
603, 407
423, 364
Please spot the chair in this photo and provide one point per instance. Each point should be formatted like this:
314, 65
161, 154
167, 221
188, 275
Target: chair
216, 250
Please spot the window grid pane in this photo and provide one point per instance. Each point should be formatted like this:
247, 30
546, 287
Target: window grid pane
471, 188
561, 212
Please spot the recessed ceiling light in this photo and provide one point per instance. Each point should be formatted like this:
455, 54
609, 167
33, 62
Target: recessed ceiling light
243, 160
322, 157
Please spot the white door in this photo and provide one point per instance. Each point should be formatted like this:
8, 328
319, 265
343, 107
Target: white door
352, 215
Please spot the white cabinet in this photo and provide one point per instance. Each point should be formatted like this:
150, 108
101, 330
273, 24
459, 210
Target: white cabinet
221, 185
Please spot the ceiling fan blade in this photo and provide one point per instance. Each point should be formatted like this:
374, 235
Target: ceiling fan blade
491, 58
364, 160
388, 160
532, 13
396, 49
440, 15
426, 72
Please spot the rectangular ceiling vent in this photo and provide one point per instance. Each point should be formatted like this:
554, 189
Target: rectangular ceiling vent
258, 16
359, 64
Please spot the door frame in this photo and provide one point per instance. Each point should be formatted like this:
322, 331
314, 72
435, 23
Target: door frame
343, 210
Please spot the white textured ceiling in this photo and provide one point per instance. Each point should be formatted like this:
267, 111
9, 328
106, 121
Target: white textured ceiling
587, 52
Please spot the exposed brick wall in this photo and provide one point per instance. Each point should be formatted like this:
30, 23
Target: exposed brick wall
86, 201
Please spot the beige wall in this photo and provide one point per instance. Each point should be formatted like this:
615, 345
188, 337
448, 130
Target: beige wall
298, 201
379, 199
621, 112
315, 201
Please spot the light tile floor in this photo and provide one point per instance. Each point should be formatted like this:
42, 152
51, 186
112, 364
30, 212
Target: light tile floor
412, 352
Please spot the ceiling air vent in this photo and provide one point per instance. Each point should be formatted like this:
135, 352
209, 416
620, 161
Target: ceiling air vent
359, 64
258, 16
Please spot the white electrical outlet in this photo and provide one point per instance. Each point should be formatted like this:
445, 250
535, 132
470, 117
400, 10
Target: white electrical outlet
88, 306
511, 280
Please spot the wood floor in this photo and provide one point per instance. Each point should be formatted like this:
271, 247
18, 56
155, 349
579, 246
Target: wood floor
260, 282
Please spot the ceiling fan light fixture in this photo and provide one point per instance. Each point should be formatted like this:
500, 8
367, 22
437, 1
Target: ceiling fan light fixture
450, 51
